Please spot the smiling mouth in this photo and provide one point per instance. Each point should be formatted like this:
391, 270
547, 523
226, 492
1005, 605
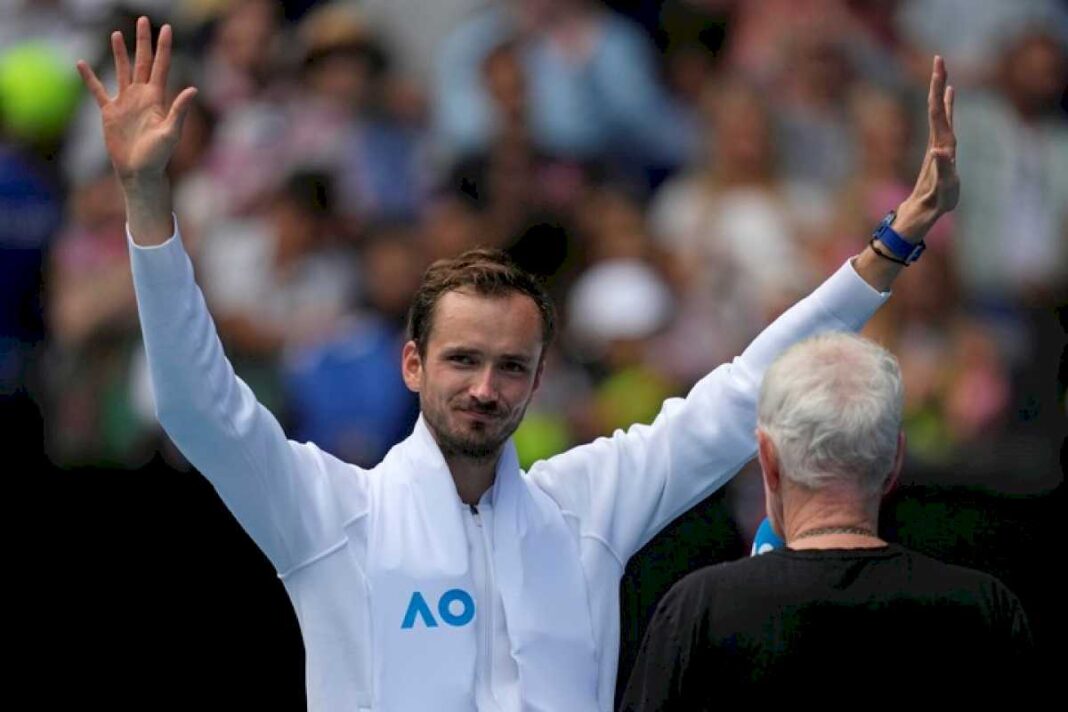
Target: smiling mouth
479, 415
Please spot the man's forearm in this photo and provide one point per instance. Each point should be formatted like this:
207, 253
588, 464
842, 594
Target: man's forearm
148, 209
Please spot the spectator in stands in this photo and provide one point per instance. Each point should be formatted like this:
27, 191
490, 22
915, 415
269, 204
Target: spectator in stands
93, 320
593, 83
346, 393
277, 279
814, 133
243, 53
1021, 166
736, 226
978, 27
338, 119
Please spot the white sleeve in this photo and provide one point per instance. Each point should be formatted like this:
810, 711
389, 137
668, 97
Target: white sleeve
279, 490
625, 488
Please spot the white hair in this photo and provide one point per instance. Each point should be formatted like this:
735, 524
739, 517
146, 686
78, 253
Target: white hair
831, 406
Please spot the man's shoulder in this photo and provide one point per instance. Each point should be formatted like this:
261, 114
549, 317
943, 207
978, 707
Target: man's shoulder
734, 595
949, 574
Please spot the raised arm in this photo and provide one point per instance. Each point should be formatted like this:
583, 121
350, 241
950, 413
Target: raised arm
278, 490
625, 488
140, 130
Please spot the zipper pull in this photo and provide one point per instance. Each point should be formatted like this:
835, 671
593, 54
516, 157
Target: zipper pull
474, 513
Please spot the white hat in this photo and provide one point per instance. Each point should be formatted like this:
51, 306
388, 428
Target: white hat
618, 299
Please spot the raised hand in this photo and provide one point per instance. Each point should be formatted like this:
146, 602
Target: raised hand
140, 130
937, 188
938, 181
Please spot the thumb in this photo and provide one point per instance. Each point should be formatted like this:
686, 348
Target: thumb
180, 109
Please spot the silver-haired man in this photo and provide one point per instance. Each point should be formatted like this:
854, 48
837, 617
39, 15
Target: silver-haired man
838, 603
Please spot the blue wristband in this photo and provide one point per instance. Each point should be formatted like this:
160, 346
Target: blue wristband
906, 252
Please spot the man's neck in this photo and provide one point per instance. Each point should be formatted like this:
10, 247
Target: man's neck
472, 476
831, 519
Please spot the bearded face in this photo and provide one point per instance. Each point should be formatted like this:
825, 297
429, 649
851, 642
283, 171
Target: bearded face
480, 369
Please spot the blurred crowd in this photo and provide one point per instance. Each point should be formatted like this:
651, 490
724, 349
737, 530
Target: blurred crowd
679, 172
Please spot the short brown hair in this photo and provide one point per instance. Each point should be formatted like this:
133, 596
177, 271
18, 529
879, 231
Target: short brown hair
490, 273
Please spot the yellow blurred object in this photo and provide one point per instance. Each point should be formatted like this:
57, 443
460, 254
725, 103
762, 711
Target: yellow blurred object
631, 395
39, 92
540, 436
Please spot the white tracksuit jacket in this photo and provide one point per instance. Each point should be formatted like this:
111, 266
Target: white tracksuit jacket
315, 516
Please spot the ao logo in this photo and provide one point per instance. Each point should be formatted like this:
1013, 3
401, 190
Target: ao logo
455, 607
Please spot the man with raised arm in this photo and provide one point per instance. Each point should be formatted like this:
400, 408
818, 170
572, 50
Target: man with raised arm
446, 578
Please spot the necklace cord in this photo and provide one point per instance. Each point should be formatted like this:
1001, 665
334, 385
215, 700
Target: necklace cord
820, 531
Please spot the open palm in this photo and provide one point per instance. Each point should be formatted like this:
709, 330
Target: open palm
140, 130
938, 184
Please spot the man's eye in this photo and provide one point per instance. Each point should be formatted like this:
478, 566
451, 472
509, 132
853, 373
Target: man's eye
462, 359
515, 367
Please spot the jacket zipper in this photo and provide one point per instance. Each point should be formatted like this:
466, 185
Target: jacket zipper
487, 606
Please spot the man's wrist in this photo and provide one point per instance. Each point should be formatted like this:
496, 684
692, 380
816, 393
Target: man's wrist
148, 209
913, 220
143, 183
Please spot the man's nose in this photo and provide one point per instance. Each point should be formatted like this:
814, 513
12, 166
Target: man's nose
484, 387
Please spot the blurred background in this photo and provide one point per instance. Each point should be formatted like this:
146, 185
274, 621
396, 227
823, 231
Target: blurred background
678, 171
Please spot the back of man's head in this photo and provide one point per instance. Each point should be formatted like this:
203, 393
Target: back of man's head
831, 406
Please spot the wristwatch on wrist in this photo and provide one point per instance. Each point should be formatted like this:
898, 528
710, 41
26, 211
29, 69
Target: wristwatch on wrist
901, 251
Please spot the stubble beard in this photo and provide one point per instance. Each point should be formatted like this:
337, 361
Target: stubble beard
472, 445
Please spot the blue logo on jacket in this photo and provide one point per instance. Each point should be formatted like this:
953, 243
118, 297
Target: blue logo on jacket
418, 608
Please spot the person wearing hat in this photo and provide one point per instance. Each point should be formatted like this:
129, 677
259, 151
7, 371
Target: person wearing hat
446, 578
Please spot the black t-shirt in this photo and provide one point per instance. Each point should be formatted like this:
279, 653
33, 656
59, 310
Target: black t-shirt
888, 621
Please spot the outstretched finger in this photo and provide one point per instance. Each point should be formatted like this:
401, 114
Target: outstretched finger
951, 95
162, 63
143, 51
936, 92
122, 59
180, 108
93, 84
941, 130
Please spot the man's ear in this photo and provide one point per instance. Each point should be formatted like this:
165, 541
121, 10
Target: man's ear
772, 476
769, 461
899, 464
412, 366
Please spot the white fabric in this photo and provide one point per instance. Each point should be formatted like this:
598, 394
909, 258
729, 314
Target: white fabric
238, 275
418, 543
321, 521
618, 299
754, 230
496, 674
